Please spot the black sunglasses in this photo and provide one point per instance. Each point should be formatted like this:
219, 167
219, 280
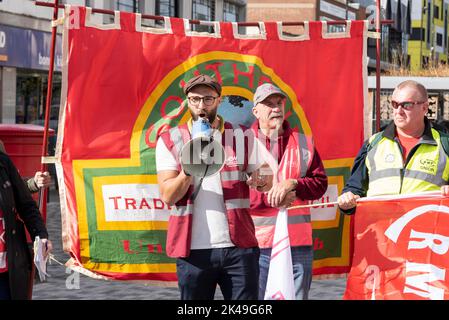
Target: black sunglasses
406, 105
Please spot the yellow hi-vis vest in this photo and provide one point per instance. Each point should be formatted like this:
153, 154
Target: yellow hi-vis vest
426, 170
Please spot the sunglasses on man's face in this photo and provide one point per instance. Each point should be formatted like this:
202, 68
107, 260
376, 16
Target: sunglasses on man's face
406, 105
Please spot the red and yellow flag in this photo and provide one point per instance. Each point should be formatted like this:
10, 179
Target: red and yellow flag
122, 86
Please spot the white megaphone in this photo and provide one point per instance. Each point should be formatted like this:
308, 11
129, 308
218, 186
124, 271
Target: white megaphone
202, 156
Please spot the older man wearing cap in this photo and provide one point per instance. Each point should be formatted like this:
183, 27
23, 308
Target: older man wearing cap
301, 177
211, 232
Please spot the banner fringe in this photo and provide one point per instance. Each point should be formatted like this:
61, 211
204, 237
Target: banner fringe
73, 265
329, 276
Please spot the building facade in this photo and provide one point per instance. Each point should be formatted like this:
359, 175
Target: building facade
25, 41
302, 10
394, 51
429, 42
24, 60
395, 42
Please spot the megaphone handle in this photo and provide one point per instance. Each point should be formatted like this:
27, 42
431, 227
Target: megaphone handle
195, 193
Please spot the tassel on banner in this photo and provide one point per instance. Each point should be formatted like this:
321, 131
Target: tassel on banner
373, 35
57, 22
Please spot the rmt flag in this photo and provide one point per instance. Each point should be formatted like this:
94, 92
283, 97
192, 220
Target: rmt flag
401, 248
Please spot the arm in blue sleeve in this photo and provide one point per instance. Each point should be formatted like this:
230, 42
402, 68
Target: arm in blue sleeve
358, 181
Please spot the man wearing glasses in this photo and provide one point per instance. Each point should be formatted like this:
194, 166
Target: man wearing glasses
409, 156
301, 177
211, 232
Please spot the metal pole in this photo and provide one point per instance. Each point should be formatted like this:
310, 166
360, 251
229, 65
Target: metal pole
43, 192
243, 24
421, 33
378, 67
346, 9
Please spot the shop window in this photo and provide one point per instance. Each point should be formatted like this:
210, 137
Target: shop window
168, 8
31, 94
436, 12
439, 39
417, 34
230, 12
127, 5
203, 10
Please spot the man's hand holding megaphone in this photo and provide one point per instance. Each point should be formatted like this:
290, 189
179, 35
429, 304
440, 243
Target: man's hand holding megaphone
203, 155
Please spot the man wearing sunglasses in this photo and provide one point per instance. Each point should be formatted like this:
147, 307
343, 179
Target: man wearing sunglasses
409, 156
211, 232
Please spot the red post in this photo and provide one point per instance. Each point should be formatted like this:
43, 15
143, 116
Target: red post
378, 66
43, 193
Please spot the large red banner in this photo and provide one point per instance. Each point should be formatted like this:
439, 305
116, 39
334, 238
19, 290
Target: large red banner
122, 86
401, 249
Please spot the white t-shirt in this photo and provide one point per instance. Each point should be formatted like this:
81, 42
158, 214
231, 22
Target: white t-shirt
210, 227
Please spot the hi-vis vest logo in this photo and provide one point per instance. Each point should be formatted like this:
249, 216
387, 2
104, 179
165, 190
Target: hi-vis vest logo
389, 158
231, 161
428, 165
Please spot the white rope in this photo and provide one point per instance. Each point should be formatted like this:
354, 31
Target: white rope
313, 205
52, 257
432, 193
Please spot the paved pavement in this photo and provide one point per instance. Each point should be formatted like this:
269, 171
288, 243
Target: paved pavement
65, 284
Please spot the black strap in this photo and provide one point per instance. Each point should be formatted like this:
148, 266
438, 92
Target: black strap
195, 193
373, 143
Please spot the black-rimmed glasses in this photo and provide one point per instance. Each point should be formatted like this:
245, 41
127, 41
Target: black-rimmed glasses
207, 100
